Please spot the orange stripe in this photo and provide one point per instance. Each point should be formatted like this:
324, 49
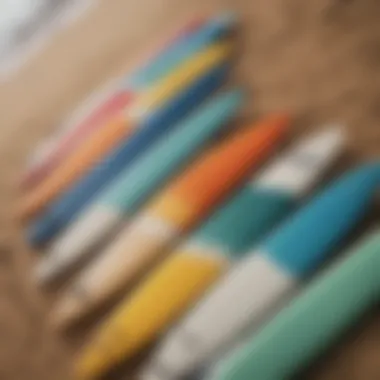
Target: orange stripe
219, 170
81, 160
101, 143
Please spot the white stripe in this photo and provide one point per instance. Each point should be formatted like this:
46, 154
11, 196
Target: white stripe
127, 255
136, 112
299, 169
203, 249
243, 299
77, 242
155, 226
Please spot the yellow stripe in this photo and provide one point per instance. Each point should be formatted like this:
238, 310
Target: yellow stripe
173, 209
183, 76
163, 298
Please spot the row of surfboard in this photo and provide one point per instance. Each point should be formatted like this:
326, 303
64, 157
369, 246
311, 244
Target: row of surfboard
206, 230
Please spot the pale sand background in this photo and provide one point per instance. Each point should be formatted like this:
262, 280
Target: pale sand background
318, 58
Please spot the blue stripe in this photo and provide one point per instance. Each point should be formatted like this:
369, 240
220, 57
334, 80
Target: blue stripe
304, 241
65, 209
181, 50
